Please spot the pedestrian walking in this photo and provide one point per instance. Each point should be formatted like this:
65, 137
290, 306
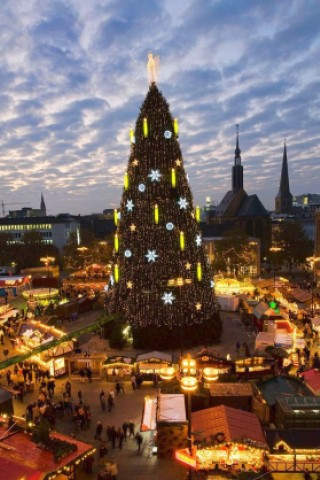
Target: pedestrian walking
102, 400
80, 395
120, 436
113, 437
99, 430
110, 402
131, 429
103, 450
139, 440
133, 382
125, 428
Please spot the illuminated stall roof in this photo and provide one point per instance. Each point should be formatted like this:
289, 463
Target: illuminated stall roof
312, 380
38, 463
119, 360
154, 357
231, 389
295, 439
236, 425
171, 408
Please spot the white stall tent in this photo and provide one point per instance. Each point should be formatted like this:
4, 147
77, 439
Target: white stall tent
263, 340
228, 302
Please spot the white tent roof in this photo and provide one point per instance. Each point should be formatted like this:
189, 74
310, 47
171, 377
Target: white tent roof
144, 357
171, 408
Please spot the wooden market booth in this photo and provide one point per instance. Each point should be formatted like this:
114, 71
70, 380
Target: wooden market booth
228, 440
254, 367
149, 364
118, 367
21, 458
293, 450
34, 334
208, 358
81, 361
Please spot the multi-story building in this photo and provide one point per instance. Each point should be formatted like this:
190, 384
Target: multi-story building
54, 230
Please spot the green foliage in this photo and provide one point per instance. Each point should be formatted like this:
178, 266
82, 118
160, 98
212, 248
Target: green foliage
116, 339
27, 253
59, 448
294, 243
41, 433
233, 251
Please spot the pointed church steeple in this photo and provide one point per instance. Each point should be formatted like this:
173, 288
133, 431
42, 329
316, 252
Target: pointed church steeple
237, 169
43, 206
283, 201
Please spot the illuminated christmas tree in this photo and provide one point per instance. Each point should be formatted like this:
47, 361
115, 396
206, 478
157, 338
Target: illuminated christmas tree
162, 282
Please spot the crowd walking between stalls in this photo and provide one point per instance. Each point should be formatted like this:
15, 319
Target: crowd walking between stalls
82, 411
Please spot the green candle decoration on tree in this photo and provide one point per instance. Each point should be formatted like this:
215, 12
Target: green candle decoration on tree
158, 308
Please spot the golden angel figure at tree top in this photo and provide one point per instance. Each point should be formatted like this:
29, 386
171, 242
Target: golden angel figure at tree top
153, 68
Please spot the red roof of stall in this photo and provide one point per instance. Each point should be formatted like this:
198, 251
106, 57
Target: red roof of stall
15, 464
236, 424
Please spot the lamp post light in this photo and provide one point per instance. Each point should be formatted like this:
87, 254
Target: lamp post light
47, 261
274, 250
313, 260
179, 282
189, 379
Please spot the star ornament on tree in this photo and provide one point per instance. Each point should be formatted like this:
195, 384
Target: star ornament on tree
183, 203
151, 256
198, 240
129, 205
168, 298
155, 175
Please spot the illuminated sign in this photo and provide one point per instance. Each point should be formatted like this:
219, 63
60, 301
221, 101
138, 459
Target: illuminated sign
184, 457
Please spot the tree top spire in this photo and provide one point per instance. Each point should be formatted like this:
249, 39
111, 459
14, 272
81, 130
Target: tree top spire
153, 68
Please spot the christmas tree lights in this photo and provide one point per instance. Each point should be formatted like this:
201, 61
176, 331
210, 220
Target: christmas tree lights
162, 247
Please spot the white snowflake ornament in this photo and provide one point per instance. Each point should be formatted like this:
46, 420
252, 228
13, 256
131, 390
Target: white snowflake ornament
168, 298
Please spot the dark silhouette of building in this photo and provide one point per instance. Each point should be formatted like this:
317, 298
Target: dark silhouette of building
283, 201
237, 208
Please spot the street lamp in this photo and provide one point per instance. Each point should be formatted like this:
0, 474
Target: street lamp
47, 261
189, 380
179, 282
313, 260
274, 250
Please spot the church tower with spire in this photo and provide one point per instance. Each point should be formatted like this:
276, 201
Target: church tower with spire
43, 207
237, 169
283, 201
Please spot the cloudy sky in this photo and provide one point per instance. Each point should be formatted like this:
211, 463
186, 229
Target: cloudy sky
73, 77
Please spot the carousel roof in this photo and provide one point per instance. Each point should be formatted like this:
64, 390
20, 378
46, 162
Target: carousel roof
15, 464
237, 425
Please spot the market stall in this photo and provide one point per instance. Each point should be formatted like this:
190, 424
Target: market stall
209, 358
293, 450
22, 458
118, 367
254, 367
149, 364
35, 334
228, 440
80, 362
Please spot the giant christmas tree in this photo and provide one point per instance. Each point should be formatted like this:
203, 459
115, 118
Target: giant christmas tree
162, 283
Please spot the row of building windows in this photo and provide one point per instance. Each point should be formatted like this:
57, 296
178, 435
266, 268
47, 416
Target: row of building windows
6, 228
20, 242
20, 235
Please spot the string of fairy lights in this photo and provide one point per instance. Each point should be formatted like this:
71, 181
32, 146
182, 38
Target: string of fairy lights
161, 275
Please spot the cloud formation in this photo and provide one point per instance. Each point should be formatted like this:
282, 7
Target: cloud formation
73, 77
